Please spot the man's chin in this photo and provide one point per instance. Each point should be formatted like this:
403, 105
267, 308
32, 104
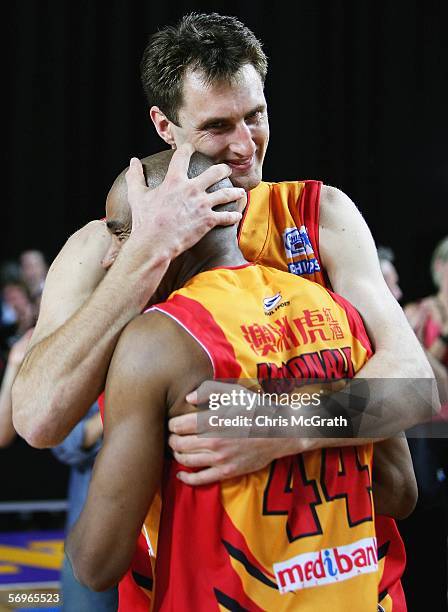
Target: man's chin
246, 182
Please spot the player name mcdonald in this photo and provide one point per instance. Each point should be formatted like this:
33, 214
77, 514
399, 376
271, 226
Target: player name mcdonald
278, 421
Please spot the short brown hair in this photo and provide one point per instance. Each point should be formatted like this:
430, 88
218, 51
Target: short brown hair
214, 44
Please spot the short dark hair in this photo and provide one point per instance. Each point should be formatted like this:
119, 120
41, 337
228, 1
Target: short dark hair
216, 45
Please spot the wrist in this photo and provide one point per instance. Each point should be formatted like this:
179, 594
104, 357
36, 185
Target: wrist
144, 249
138, 271
283, 447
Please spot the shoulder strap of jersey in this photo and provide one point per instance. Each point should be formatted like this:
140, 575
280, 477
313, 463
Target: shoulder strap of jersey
195, 319
308, 209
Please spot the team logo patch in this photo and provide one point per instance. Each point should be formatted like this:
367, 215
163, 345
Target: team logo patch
298, 247
270, 303
327, 566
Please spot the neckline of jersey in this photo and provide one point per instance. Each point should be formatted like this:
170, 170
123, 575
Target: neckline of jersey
240, 267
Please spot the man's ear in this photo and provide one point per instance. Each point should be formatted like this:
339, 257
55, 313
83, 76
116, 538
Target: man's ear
163, 125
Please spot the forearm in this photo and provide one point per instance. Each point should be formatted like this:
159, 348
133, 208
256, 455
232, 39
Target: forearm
370, 408
394, 391
365, 411
394, 485
100, 549
400, 392
102, 542
64, 373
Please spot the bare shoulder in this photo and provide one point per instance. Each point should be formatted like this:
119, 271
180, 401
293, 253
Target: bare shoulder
347, 248
92, 229
335, 207
153, 333
86, 246
88, 235
143, 348
155, 347
72, 277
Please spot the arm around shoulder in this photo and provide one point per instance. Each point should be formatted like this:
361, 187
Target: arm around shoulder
349, 255
41, 386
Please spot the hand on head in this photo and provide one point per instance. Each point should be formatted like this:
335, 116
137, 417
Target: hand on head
180, 211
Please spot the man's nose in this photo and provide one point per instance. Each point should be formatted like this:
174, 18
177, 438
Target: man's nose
242, 142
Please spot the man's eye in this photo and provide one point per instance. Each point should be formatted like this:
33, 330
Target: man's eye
216, 127
255, 116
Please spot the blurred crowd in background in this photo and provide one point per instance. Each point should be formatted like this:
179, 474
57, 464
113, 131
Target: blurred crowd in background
424, 532
22, 284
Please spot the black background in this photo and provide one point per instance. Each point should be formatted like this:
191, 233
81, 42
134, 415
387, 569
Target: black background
356, 94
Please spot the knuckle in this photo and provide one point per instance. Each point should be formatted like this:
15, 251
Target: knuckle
203, 203
193, 189
210, 222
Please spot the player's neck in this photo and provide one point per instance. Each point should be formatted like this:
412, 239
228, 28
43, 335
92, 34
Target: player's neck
207, 255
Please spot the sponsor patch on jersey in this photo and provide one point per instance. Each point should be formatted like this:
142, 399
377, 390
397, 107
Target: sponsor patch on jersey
327, 566
298, 247
270, 303
306, 266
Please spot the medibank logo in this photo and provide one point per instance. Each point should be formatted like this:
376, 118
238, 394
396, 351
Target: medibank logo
327, 566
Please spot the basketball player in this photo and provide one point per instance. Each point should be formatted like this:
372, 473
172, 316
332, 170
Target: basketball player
214, 100
210, 94
209, 308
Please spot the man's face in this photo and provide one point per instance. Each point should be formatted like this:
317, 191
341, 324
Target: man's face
16, 297
119, 224
227, 122
33, 266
